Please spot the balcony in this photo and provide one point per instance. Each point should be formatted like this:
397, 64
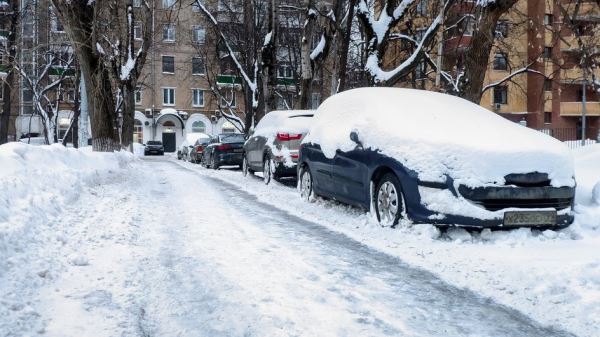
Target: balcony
575, 109
228, 80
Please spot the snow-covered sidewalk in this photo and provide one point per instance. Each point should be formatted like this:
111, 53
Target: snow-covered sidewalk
552, 276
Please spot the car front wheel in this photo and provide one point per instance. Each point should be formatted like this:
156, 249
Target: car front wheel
389, 201
306, 185
268, 173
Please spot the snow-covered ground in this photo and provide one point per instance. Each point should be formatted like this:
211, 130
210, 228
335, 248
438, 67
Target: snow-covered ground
106, 245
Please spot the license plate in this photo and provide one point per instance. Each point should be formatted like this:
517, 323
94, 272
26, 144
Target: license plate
530, 218
238, 150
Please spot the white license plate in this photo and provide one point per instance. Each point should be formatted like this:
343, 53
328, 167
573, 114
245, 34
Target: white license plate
530, 218
238, 150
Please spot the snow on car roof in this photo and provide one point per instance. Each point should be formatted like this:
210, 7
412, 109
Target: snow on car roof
437, 135
292, 121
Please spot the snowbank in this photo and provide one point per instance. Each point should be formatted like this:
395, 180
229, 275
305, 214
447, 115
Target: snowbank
36, 184
587, 208
437, 135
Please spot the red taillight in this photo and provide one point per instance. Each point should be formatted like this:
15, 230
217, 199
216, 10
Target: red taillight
200, 149
295, 156
224, 147
284, 137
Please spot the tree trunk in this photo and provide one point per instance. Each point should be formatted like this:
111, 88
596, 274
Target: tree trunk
306, 64
269, 60
8, 84
345, 45
128, 110
478, 54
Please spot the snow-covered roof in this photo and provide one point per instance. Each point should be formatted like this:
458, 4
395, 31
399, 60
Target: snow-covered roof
437, 135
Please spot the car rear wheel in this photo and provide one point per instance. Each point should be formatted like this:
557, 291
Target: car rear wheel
268, 168
245, 168
213, 163
306, 185
389, 200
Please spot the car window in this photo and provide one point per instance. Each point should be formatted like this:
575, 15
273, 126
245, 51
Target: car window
154, 142
232, 138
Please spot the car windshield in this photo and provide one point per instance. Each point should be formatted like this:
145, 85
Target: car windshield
154, 142
232, 138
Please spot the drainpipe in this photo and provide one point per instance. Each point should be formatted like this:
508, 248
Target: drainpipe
583, 114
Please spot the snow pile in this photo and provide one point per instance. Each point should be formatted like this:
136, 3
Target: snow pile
37, 181
36, 184
587, 199
438, 135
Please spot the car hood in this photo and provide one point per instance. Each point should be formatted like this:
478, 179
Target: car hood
439, 135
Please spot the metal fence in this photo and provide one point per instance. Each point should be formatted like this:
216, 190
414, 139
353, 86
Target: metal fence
572, 136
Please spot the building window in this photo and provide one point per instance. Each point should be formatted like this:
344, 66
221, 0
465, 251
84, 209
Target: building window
138, 132
197, 66
198, 127
228, 99
138, 95
500, 61
137, 31
168, 64
169, 96
547, 53
27, 95
168, 4
228, 128
422, 7
169, 33
196, 7
548, 117
420, 34
501, 94
547, 84
284, 71
137, 3
421, 70
468, 25
197, 98
548, 19
502, 29
285, 101
198, 34
55, 24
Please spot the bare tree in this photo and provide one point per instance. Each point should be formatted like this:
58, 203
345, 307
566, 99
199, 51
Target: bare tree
11, 17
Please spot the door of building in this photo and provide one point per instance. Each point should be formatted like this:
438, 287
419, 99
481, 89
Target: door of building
169, 141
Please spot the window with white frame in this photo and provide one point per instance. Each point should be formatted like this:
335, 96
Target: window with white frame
138, 95
196, 7
285, 70
422, 7
197, 98
169, 32
55, 24
198, 127
169, 96
137, 3
168, 4
137, 31
228, 99
198, 34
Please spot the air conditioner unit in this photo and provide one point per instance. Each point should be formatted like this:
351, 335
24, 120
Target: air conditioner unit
214, 118
217, 113
148, 113
497, 106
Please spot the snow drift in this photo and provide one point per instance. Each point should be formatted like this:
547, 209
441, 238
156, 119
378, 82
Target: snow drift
437, 135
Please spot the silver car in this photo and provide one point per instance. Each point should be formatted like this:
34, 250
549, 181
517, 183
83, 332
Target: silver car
272, 147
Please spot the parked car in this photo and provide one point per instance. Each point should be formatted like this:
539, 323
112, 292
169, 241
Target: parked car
435, 158
185, 150
197, 150
36, 141
154, 147
273, 145
226, 149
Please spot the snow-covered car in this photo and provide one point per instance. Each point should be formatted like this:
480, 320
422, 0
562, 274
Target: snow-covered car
36, 141
154, 147
273, 145
435, 158
227, 149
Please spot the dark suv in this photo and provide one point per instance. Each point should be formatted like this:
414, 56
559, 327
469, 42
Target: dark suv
154, 147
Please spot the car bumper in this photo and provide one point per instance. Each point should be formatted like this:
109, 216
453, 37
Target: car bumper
487, 207
230, 159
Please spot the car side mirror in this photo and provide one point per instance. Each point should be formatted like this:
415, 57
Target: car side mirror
354, 138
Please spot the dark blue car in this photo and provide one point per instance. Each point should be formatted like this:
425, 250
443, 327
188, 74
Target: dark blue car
392, 184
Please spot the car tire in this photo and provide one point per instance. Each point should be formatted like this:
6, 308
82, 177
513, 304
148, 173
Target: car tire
388, 200
213, 163
268, 171
246, 167
305, 185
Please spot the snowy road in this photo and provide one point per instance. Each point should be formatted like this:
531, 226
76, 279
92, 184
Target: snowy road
183, 254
